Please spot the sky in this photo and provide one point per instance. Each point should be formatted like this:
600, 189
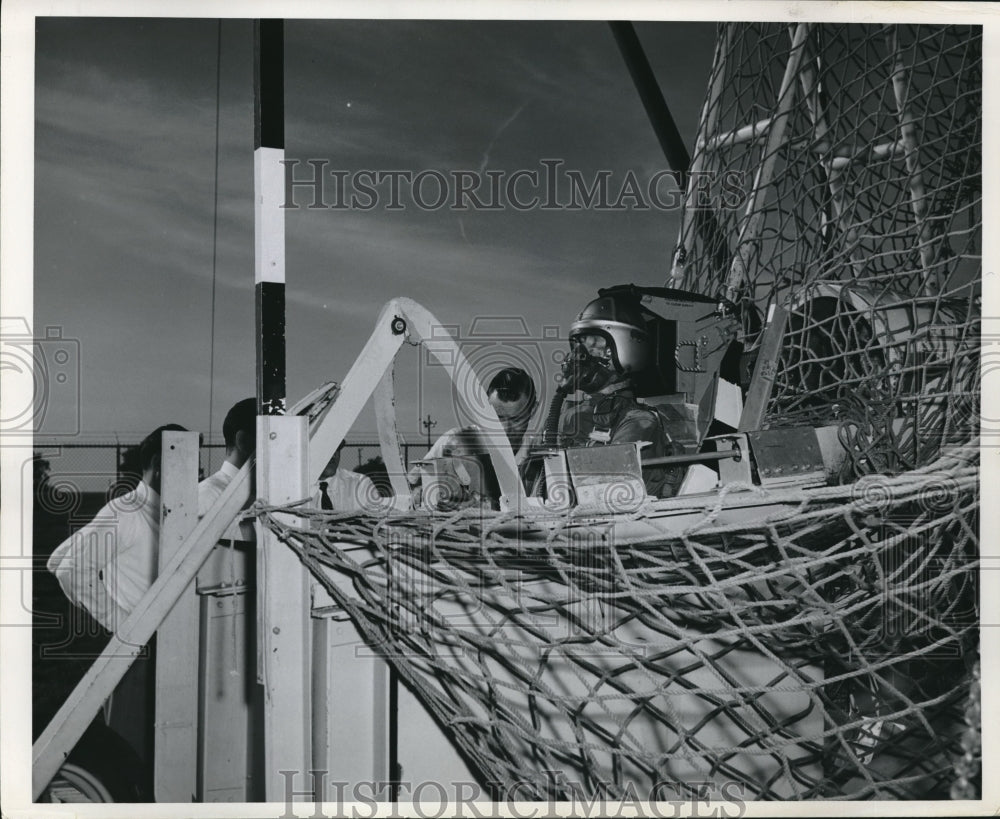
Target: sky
133, 238
125, 203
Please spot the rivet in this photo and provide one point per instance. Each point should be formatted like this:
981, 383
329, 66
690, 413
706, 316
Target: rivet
273, 435
276, 630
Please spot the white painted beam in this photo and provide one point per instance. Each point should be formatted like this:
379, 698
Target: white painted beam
175, 737
283, 609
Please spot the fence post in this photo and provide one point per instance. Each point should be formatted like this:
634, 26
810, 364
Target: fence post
283, 620
175, 735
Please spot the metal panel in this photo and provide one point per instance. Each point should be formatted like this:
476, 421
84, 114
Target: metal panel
350, 738
427, 755
765, 370
732, 471
607, 477
788, 456
230, 565
224, 704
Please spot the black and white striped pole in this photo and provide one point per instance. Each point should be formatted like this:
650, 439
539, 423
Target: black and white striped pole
269, 217
283, 628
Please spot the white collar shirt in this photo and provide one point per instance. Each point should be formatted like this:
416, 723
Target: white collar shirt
109, 564
210, 489
106, 566
350, 492
474, 440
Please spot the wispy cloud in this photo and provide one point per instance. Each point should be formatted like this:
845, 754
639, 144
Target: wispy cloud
485, 162
125, 190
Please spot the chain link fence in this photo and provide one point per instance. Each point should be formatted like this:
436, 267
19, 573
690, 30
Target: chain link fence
101, 467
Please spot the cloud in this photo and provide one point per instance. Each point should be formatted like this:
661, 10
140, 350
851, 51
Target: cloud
493, 140
125, 190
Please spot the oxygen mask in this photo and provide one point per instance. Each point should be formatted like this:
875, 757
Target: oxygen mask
588, 366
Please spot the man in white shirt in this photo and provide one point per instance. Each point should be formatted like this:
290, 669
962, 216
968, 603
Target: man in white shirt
342, 490
239, 430
511, 393
106, 566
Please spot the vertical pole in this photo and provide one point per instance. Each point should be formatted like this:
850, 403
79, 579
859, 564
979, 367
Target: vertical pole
909, 137
175, 727
269, 218
283, 666
753, 220
765, 371
652, 99
388, 437
284, 614
694, 218
812, 93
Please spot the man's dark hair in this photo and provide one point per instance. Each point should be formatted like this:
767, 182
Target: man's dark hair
512, 384
152, 444
243, 416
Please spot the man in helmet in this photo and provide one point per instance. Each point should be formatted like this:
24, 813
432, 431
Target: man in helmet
511, 393
609, 345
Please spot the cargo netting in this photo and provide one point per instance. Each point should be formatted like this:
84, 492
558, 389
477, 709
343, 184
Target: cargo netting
829, 648
826, 651
837, 174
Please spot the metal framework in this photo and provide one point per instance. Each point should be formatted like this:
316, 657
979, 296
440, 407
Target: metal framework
803, 67
290, 456
296, 649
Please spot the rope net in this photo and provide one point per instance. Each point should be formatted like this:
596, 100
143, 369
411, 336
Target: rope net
824, 652
847, 162
827, 648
